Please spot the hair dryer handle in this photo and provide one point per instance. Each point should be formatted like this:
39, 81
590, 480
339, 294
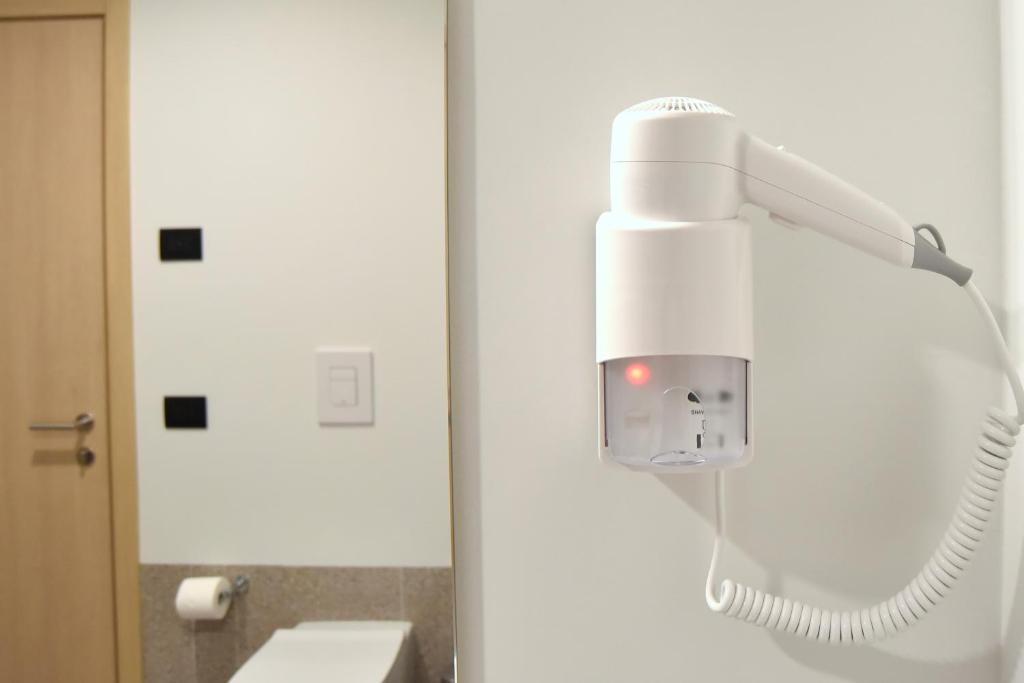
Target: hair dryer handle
803, 194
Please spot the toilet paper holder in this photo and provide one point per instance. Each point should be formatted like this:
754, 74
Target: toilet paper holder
208, 597
239, 586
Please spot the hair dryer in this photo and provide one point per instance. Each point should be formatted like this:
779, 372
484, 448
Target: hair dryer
675, 335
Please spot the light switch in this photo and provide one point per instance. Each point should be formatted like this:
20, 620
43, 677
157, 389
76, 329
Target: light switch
344, 386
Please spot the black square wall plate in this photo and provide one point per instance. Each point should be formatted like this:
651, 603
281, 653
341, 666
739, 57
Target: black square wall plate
185, 412
181, 244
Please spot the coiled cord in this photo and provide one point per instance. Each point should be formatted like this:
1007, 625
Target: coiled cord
935, 581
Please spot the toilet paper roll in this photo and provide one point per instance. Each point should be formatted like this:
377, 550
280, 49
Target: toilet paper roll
203, 597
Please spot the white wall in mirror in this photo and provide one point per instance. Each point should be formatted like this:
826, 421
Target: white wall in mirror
314, 162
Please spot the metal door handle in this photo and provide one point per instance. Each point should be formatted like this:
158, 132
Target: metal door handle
82, 423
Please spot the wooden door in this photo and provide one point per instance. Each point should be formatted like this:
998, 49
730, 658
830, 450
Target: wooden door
56, 567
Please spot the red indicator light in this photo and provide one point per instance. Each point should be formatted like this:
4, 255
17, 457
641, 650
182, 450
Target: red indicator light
637, 373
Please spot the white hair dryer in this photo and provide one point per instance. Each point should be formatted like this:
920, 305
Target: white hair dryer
675, 334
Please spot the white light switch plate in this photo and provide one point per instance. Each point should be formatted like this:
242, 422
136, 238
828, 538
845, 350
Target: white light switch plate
344, 380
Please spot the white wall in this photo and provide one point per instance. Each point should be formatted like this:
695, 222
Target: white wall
306, 138
1012, 35
870, 381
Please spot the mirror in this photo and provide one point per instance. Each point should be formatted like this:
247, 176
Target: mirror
288, 228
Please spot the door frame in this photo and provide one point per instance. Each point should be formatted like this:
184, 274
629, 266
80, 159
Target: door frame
118, 300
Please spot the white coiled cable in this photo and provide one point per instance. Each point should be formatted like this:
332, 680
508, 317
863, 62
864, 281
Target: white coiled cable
937, 578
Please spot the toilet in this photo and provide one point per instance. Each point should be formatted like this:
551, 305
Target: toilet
333, 652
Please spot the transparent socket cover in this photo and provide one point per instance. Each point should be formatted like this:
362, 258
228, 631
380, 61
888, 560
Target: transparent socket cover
676, 412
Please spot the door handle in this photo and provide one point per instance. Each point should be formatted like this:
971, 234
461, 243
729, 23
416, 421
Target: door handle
81, 423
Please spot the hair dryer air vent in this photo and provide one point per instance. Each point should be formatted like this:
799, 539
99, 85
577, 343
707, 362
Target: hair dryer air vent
679, 104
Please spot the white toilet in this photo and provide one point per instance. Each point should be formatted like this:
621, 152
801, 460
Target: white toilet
333, 652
